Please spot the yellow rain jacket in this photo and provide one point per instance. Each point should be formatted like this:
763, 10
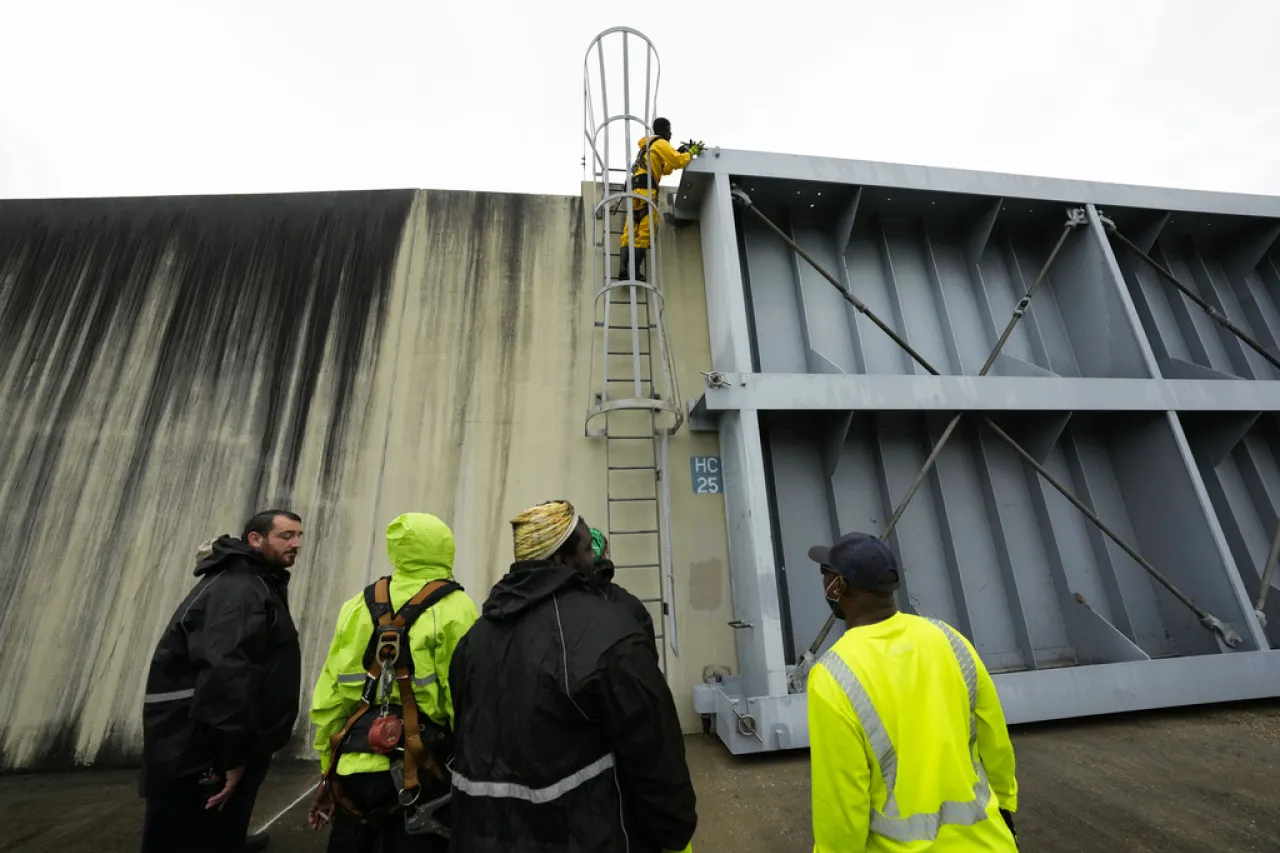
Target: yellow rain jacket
663, 159
909, 747
421, 548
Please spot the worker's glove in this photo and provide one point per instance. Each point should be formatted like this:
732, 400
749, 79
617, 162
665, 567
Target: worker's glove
696, 148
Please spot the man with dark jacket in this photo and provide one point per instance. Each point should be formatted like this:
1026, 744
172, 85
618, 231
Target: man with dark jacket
603, 573
222, 693
567, 736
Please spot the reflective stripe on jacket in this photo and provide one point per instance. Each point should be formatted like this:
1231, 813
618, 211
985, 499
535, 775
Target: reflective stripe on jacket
421, 548
908, 743
568, 737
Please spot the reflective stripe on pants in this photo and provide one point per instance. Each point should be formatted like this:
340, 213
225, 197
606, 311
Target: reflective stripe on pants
923, 826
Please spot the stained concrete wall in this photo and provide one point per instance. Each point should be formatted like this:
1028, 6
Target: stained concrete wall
169, 365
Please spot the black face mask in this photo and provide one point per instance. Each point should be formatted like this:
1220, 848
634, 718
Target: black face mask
834, 604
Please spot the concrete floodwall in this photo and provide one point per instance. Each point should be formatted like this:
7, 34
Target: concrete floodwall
167, 366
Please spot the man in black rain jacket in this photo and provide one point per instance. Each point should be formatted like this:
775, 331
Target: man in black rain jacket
567, 735
222, 693
604, 571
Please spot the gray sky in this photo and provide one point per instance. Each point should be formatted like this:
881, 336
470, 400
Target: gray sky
136, 97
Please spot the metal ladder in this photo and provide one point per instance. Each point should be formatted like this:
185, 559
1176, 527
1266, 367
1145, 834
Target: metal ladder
637, 502
635, 403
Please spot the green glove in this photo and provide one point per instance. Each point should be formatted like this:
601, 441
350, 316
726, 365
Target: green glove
695, 149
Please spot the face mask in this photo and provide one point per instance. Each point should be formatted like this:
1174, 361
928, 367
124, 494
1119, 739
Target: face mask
834, 603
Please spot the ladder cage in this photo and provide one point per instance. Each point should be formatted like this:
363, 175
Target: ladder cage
634, 399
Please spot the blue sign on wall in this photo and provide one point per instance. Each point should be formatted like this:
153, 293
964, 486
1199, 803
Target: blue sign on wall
707, 475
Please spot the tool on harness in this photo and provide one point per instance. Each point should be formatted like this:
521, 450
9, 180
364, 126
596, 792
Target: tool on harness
420, 819
396, 727
385, 732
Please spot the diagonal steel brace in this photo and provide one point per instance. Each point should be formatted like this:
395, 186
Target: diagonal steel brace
1214, 314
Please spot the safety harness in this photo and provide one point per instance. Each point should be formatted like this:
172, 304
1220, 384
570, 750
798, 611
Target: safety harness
642, 166
395, 728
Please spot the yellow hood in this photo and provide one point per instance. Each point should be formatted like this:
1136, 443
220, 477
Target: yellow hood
420, 546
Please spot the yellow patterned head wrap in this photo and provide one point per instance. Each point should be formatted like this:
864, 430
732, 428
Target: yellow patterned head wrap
541, 530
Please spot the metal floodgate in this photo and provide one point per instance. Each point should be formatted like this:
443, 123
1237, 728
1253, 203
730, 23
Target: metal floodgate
1045, 426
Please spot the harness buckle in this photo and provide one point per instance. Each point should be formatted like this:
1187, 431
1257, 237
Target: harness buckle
390, 639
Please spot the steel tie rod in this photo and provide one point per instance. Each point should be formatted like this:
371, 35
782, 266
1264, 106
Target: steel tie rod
1268, 570
1210, 622
1214, 314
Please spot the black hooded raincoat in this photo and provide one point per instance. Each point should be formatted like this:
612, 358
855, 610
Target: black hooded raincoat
225, 677
567, 735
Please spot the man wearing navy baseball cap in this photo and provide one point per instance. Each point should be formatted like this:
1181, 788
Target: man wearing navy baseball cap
908, 741
869, 571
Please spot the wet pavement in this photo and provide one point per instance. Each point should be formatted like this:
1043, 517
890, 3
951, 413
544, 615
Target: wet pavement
1195, 780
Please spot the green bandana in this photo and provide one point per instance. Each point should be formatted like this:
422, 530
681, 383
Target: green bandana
597, 544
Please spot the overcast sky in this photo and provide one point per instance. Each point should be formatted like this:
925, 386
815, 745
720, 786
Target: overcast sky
134, 97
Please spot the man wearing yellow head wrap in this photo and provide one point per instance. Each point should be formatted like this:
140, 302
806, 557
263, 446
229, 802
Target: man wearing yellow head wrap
567, 735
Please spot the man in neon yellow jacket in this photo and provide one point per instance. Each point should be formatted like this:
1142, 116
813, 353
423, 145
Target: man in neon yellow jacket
421, 548
908, 743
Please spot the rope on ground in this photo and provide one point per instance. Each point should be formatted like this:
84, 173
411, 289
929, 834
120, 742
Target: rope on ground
1229, 636
1214, 314
284, 811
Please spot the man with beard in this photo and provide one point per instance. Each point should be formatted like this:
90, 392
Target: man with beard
222, 693
567, 736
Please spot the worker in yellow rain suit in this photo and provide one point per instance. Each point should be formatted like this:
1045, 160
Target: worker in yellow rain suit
909, 746
657, 158
438, 613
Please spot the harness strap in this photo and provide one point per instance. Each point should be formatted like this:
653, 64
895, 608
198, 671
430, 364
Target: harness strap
390, 643
643, 166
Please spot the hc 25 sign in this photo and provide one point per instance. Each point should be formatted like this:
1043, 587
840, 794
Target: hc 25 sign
707, 475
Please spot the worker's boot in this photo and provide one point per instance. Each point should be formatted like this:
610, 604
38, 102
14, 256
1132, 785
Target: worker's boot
624, 263
257, 842
624, 268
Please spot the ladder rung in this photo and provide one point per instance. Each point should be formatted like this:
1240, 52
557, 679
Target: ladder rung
640, 566
628, 328
628, 353
633, 468
642, 379
629, 437
628, 500
651, 601
631, 532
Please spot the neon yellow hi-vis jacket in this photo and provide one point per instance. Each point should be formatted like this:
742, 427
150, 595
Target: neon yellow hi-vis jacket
908, 744
421, 548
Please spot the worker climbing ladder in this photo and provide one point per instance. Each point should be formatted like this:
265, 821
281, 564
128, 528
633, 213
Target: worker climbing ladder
635, 402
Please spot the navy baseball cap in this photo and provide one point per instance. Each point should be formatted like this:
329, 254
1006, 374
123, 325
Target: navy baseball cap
861, 559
